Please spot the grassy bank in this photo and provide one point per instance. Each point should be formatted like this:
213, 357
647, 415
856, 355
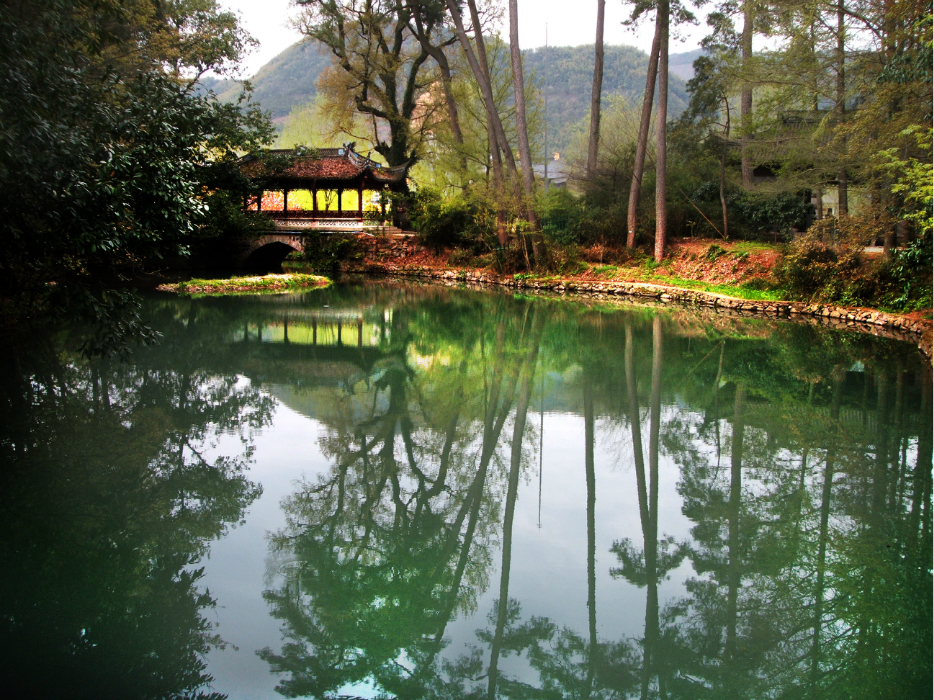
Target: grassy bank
247, 284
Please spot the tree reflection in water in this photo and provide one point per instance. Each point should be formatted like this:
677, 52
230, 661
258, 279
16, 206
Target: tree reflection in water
110, 498
802, 460
807, 572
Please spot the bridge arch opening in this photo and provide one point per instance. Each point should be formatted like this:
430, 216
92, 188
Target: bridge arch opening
268, 257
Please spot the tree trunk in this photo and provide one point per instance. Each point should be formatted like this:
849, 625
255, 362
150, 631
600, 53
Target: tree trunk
745, 100
661, 135
444, 67
489, 104
843, 204
485, 66
635, 187
525, 152
726, 142
596, 93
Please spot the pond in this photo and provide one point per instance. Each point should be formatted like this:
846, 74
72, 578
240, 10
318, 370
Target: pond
390, 490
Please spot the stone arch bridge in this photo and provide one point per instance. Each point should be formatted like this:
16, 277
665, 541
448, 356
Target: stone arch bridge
272, 246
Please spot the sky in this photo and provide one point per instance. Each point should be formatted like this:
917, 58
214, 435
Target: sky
570, 23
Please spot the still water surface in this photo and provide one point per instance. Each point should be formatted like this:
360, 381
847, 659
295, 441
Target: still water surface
382, 490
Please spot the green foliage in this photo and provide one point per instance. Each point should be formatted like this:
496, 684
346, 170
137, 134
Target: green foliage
753, 214
811, 269
441, 221
827, 265
561, 215
109, 163
467, 219
714, 252
761, 213
241, 284
326, 252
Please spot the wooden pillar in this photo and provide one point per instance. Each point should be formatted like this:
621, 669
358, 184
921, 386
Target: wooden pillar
259, 202
360, 201
382, 203
285, 200
340, 192
314, 200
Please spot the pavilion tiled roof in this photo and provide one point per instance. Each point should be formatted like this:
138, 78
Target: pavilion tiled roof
331, 165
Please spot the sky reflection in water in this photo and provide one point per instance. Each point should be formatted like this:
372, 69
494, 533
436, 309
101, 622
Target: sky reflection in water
423, 492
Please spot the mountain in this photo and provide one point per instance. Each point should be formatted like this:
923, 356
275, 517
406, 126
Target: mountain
288, 80
682, 64
566, 73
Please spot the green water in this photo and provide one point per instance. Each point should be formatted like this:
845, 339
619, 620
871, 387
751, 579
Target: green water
383, 490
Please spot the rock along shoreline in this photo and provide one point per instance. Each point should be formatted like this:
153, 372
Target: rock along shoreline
917, 331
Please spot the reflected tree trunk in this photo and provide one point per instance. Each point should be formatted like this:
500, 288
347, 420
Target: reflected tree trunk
736, 494
635, 424
515, 464
826, 493
589, 439
650, 528
920, 519
495, 416
647, 488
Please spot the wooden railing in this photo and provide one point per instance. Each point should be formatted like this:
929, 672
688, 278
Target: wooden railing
320, 214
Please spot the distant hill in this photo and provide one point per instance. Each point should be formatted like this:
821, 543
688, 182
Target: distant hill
288, 80
682, 64
567, 72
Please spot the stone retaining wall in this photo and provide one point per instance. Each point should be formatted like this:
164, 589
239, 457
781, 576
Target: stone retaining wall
864, 320
381, 247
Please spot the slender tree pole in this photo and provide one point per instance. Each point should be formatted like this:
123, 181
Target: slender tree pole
596, 93
843, 205
645, 120
485, 67
661, 134
723, 153
745, 99
422, 34
518, 85
493, 123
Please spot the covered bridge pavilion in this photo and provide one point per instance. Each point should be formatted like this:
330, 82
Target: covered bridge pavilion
304, 192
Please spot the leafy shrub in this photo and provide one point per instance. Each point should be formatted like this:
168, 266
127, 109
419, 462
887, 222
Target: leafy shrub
714, 252
560, 214
826, 264
460, 258
324, 252
468, 219
763, 213
441, 221
810, 269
